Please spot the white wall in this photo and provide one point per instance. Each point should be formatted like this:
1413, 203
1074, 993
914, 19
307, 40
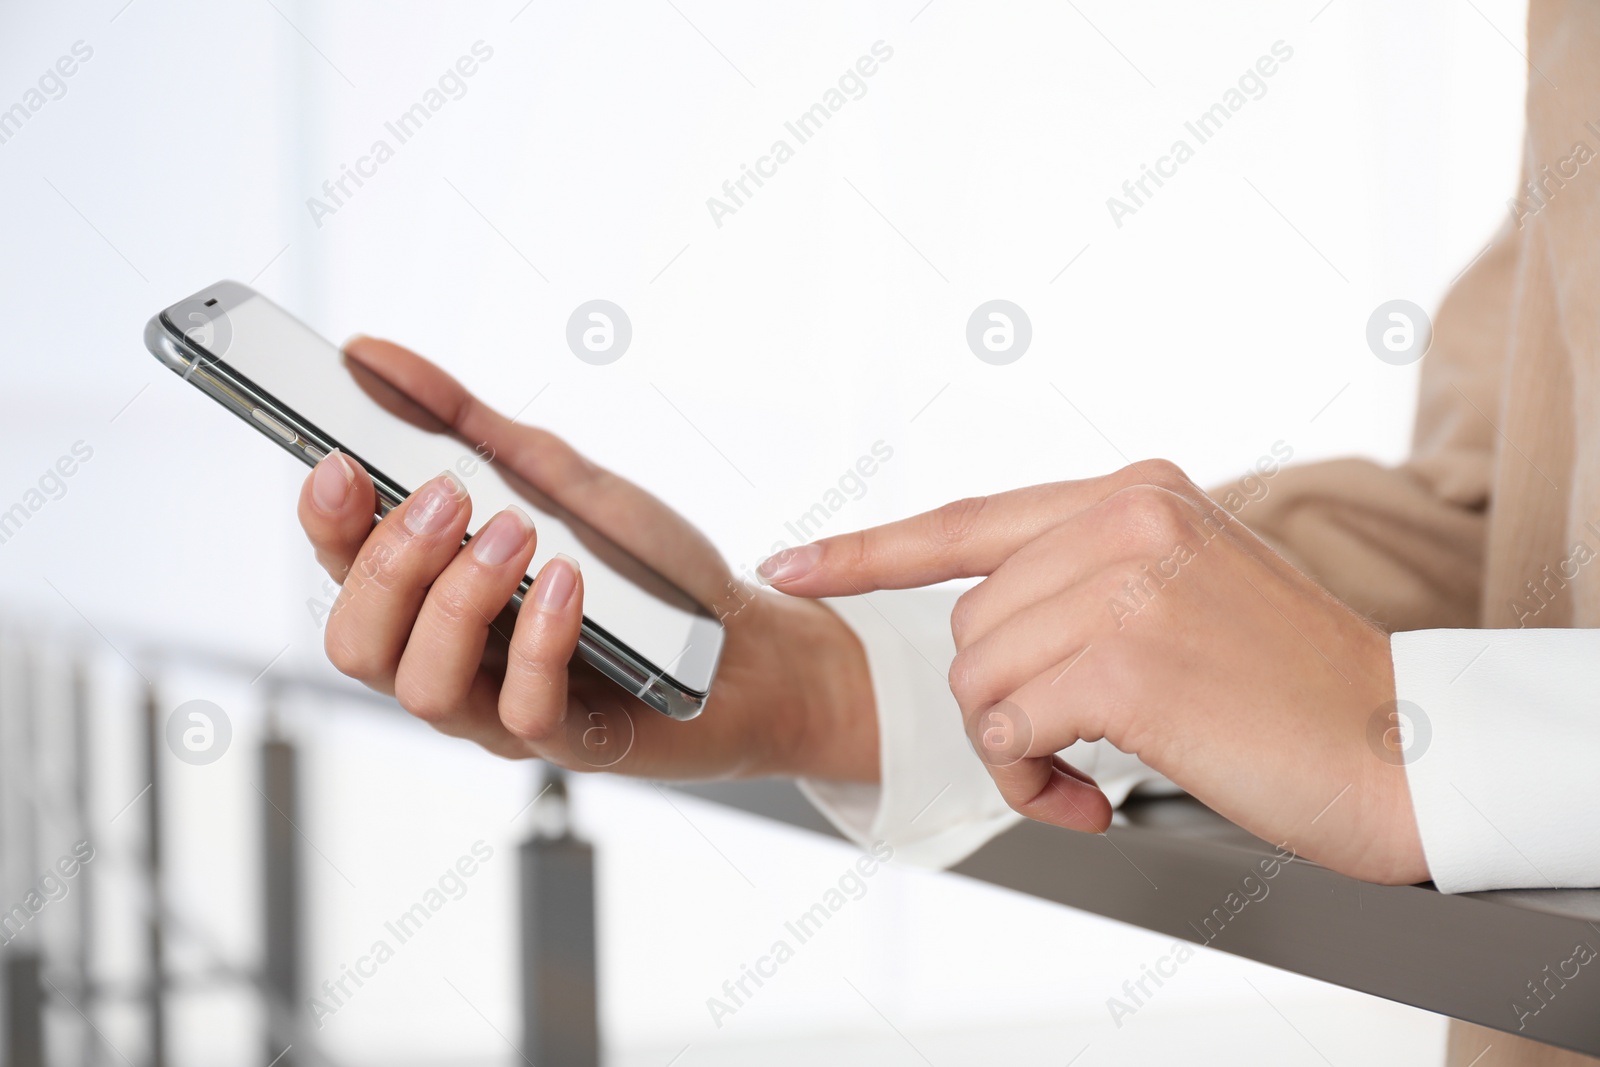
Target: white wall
1219, 319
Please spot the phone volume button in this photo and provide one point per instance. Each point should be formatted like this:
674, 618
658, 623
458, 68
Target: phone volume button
273, 424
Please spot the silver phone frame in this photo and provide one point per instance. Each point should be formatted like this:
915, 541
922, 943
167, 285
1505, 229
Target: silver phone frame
211, 375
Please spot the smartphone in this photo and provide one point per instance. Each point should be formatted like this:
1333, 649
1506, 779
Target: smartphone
298, 391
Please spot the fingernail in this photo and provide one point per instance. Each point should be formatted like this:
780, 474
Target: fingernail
789, 564
434, 505
502, 537
352, 339
331, 481
556, 583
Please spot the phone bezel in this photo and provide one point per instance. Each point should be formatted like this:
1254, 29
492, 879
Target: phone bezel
210, 373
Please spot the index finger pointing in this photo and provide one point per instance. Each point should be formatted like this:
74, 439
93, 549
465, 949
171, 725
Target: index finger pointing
960, 539
965, 539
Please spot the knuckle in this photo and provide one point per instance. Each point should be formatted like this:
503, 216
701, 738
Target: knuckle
336, 567
953, 523
523, 716
376, 566
594, 478
854, 550
539, 443
1152, 517
528, 726
1019, 803
966, 677
454, 606
1164, 473
1035, 805
348, 655
964, 616
543, 449
568, 758
1121, 583
1115, 668
422, 701
525, 728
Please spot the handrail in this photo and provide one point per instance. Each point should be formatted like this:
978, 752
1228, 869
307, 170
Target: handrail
1505, 960
1511, 960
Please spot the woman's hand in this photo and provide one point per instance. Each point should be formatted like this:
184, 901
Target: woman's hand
419, 616
1134, 608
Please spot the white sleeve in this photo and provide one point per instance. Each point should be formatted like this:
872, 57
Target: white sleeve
935, 804
1501, 758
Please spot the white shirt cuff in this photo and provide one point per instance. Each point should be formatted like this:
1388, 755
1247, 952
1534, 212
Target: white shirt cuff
1501, 755
935, 804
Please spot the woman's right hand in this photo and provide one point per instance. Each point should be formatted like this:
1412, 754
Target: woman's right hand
418, 616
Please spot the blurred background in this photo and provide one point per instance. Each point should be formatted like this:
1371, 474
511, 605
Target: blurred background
772, 346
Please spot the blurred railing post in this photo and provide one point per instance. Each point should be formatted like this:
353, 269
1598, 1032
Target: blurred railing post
280, 867
156, 994
84, 954
24, 1019
560, 1022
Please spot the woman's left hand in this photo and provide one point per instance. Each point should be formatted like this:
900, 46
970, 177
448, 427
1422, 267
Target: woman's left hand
1135, 608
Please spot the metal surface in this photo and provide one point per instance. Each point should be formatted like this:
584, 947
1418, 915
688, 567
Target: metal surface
1507, 960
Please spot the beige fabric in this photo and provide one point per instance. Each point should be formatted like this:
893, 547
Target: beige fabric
1479, 526
1476, 1046
1501, 482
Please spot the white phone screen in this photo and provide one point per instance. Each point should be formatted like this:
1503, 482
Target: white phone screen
311, 378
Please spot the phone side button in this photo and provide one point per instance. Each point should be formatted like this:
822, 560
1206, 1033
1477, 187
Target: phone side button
273, 424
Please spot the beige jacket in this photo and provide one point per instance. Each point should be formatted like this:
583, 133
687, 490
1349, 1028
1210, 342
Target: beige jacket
1483, 525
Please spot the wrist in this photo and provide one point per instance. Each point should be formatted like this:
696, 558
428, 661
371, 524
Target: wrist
1388, 845
834, 722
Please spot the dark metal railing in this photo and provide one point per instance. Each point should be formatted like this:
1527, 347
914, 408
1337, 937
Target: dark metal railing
557, 901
